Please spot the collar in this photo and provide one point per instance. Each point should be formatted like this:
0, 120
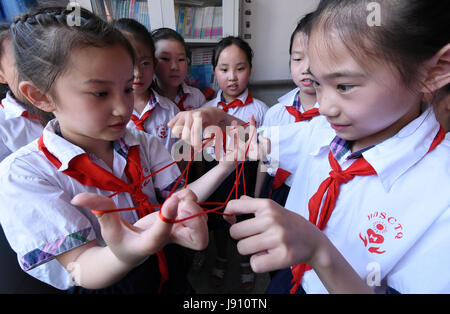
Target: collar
290, 99
394, 156
12, 107
157, 99
186, 89
65, 151
242, 97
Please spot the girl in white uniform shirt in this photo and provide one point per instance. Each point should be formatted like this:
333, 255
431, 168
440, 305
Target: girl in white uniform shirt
171, 69
152, 111
378, 227
88, 148
18, 126
232, 63
298, 105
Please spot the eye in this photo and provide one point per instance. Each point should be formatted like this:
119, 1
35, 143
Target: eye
100, 94
344, 88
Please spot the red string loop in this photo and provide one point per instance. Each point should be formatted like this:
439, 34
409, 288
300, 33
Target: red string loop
185, 173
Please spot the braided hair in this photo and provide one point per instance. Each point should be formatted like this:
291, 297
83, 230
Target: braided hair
44, 39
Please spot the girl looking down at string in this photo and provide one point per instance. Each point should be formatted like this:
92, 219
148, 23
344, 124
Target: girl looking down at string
88, 159
358, 220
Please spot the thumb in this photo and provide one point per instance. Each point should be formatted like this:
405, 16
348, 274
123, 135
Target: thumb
162, 227
110, 223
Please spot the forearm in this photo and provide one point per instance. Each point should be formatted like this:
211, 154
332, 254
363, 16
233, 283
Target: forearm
96, 267
204, 186
336, 274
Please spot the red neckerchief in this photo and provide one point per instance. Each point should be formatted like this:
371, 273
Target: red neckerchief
307, 115
236, 103
337, 177
140, 122
82, 169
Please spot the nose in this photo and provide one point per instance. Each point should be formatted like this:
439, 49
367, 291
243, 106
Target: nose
327, 104
232, 75
174, 65
137, 72
123, 104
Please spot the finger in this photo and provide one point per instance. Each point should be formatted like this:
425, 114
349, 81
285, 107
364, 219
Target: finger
196, 131
252, 120
247, 228
266, 261
110, 223
186, 194
159, 232
255, 244
245, 205
186, 133
192, 233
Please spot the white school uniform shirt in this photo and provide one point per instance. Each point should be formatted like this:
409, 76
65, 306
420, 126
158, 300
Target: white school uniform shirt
38, 219
393, 227
277, 115
194, 100
15, 130
257, 108
156, 124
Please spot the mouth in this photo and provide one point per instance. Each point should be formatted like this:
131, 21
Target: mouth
233, 87
118, 126
307, 82
138, 84
339, 127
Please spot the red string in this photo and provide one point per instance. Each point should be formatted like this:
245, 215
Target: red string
185, 173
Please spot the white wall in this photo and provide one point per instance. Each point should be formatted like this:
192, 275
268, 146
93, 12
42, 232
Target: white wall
271, 25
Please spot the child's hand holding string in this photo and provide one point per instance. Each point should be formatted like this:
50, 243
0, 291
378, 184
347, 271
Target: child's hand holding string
277, 238
128, 245
149, 234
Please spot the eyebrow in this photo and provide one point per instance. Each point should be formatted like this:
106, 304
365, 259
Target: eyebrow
335, 75
226, 64
103, 82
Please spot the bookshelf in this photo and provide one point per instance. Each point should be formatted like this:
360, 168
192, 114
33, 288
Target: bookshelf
224, 15
223, 20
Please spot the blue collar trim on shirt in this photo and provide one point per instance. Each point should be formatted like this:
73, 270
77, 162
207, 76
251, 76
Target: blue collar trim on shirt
340, 147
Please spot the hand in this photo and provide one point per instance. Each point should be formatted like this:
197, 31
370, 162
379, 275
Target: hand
132, 243
276, 237
188, 125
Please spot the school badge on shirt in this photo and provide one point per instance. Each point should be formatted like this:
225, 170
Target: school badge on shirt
379, 228
162, 130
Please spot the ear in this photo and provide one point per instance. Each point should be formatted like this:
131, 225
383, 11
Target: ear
3, 78
438, 74
36, 97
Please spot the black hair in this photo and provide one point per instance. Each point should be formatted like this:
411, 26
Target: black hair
304, 26
5, 33
137, 31
410, 31
44, 39
228, 41
165, 33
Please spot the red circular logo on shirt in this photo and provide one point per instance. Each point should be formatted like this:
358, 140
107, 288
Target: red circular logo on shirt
162, 131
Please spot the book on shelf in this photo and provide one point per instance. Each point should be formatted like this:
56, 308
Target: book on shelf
198, 22
117, 9
201, 73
